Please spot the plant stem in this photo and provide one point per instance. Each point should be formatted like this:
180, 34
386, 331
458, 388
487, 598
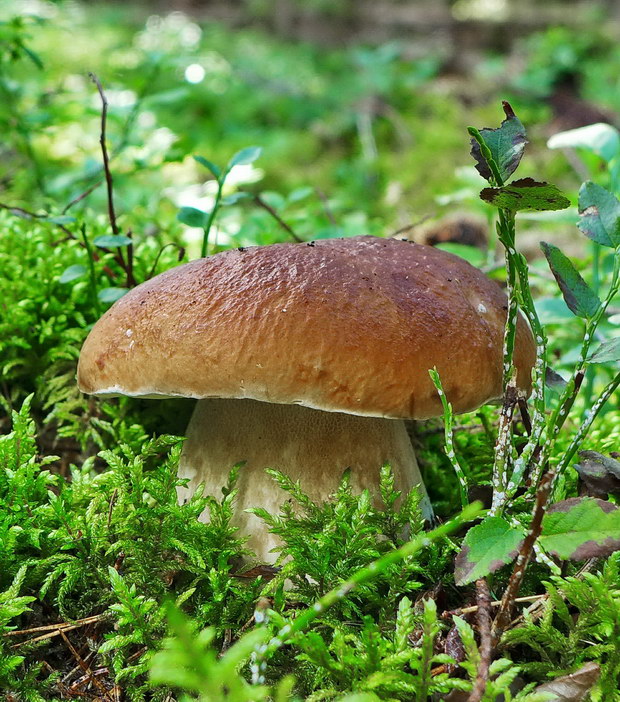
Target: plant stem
449, 438
214, 209
92, 273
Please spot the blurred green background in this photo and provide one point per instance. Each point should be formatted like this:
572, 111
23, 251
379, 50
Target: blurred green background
360, 107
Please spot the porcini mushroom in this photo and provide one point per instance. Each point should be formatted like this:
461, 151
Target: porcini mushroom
306, 358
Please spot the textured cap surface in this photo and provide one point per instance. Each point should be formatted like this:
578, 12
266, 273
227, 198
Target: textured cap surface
343, 325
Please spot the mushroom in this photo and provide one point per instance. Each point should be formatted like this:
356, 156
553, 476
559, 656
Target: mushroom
306, 358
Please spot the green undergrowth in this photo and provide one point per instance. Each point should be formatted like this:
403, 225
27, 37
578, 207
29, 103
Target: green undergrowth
113, 545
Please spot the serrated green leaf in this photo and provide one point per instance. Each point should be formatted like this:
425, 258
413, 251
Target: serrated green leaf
600, 214
245, 156
111, 294
112, 241
581, 528
607, 352
526, 194
506, 144
577, 294
72, 273
192, 217
486, 547
209, 165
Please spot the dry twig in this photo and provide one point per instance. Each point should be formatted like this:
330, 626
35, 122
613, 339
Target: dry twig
483, 598
287, 228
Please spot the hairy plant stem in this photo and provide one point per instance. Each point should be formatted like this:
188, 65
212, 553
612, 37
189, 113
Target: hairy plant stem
214, 209
449, 438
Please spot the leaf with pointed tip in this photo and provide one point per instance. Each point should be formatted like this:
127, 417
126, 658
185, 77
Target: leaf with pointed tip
607, 352
578, 295
209, 165
526, 194
192, 217
111, 294
601, 139
245, 156
506, 144
554, 380
580, 528
600, 214
72, 273
486, 547
112, 241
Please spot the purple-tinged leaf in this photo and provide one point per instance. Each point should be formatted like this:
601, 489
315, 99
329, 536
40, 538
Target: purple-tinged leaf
574, 687
526, 194
600, 214
579, 297
487, 547
599, 474
506, 144
607, 352
554, 380
580, 528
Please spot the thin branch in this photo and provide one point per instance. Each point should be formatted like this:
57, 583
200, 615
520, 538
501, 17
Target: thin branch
409, 227
104, 152
128, 267
83, 195
85, 667
61, 625
266, 206
27, 214
326, 208
502, 620
448, 614
483, 598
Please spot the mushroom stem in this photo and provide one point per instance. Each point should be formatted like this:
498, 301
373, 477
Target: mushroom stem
309, 445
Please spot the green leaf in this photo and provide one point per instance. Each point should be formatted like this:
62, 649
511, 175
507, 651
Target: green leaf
526, 194
192, 217
209, 165
580, 528
578, 295
601, 139
245, 156
506, 144
600, 214
486, 547
554, 380
111, 294
607, 352
72, 273
62, 219
112, 241
234, 198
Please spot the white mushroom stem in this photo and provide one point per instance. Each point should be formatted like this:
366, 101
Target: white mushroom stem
308, 445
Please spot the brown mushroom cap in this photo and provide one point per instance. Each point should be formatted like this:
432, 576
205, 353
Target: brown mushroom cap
342, 325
